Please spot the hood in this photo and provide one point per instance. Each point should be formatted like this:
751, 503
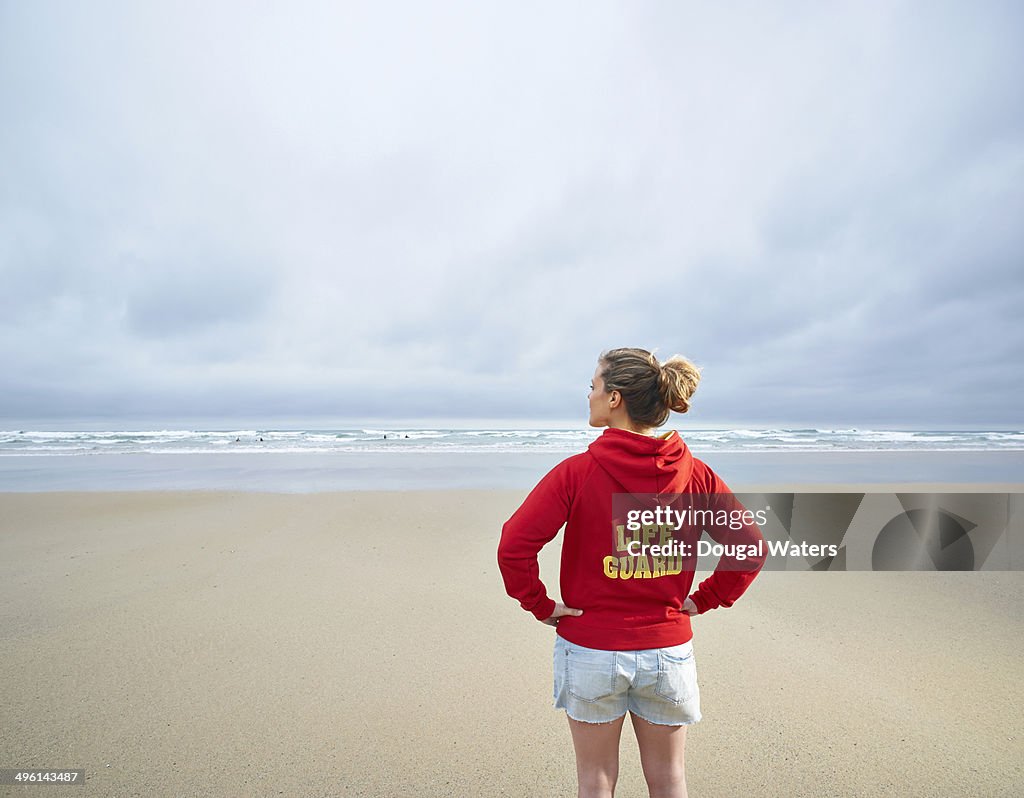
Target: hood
644, 464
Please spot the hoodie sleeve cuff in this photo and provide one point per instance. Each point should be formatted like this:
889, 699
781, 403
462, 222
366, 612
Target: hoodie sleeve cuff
701, 602
543, 610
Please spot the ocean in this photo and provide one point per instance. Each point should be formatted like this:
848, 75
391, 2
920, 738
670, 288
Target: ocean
303, 460
562, 441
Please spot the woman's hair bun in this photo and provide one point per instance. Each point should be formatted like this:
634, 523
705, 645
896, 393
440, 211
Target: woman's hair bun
678, 381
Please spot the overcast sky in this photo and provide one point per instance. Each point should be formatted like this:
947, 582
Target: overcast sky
416, 210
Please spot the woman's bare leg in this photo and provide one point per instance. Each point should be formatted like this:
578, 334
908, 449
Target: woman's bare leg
597, 756
662, 750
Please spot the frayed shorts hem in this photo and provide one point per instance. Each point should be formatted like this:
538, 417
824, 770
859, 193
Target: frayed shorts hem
634, 712
662, 723
592, 722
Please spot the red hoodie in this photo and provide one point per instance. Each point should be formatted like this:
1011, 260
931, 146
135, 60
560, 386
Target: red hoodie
618, 613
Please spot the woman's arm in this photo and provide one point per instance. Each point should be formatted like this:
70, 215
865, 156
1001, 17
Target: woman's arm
732, 576
544, 511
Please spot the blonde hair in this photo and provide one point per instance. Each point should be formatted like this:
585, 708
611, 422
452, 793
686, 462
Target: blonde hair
649, 389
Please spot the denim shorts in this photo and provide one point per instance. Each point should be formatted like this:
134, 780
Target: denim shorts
597, 686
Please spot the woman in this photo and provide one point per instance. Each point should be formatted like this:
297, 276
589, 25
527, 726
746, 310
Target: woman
624, 638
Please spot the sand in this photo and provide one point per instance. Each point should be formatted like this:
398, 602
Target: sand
361, 644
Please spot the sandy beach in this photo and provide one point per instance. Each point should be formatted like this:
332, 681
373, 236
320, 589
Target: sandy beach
250, 644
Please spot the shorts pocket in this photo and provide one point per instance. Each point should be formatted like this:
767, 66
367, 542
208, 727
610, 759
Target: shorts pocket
677, 674
590, 673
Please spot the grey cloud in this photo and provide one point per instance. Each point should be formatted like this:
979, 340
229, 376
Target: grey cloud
169, 299
456, 209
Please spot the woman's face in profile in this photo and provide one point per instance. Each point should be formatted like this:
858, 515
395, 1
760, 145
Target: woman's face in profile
598, 400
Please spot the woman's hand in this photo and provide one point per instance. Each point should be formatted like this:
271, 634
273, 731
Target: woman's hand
689, 607
560, 610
